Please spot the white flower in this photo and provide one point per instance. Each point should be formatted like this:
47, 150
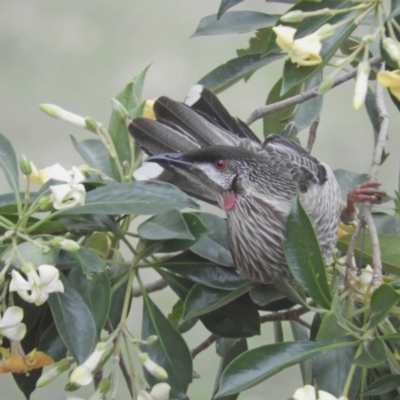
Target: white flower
361, 88
307, 392
160, 391
82, 374
148, 171
11, 325
154, 369
39, 283
71, 193
57, 112
364, 280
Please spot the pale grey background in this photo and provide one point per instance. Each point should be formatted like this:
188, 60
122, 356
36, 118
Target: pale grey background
78, 54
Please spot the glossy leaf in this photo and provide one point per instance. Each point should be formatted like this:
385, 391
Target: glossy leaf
95, 154
265, 294
9, 164
145, 197
52, 344
262, 43
214, 245
234, 70
88, 260
202, 271
167, 225
390, 251
256, 365
27, 383
304, 256
383, 385
74, 321
382, 301
129, 97
170, 351
234, 22
96, 293
226, 5
373, 354
202, 299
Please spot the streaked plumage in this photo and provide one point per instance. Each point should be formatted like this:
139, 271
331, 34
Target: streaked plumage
256, 186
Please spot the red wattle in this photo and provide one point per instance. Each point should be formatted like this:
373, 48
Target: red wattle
229, 200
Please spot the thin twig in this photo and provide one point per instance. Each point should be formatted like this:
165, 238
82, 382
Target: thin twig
151, 287
262, 111
204, 345
312, 135
366, 216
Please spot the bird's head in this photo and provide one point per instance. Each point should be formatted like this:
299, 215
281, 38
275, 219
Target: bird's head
224, 169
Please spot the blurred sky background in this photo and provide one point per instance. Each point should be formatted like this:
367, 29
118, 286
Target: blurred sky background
79, 54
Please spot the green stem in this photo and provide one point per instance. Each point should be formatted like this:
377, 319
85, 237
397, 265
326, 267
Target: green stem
350, 375
128, 292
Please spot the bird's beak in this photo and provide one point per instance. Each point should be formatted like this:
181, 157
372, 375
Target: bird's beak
173, 159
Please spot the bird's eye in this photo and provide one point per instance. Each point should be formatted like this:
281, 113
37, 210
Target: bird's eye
220, 164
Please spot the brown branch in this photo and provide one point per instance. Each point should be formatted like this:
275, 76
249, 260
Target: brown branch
289, 315
204, 345
312, 135
366, 216
263, 111
151, 287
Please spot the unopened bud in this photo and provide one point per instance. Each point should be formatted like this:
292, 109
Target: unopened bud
160, 391
148, 111
57, 112
153, 339
28, 267
325, 31
361, 88
91, 124
25, 165
120, 111
45, 203
152, 367
104, 386
52, 373
368, 38
325, 85
392, 48
293, 16
65, 244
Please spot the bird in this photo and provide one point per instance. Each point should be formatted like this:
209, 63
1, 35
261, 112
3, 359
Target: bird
216, 157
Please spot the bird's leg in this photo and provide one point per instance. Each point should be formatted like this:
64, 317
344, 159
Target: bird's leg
367, 191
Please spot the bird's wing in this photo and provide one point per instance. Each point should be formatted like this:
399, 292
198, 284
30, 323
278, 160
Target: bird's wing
292, 161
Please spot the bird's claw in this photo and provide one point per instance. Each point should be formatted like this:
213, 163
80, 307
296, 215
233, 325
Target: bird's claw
367, 191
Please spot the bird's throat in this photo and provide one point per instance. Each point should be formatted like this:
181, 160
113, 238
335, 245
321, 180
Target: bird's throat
229, 200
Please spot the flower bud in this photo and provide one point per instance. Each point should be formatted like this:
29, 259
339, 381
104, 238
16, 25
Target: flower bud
293, 16
25, 165
392, 48
361, 88
160, 391
57, 112
152, 340
45, 203
368, 38
325, 85
91, 124
104, 386
120, 111
65, 244
148, 111
152, 367
325, 31
52, 373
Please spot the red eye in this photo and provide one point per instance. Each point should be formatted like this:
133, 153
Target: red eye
220, 164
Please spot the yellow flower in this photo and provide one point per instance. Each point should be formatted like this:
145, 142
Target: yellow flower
390, 80
19, 363
40, 176
148, 111
303, 52
344, 230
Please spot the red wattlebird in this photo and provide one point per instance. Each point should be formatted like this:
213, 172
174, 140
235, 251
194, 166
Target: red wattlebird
217, 158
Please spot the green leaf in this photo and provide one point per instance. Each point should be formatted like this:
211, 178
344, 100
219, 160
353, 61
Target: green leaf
304, 256
382, 301
370, 105
129, 97
9, 164
390, 250
88, 260
300, 333
214, 245
74, 321
202, 271
348, 180
386, 223
276, 121
234, 22
256, 365
95, 154
265, 294
234, 70
27, 383
52, 344
383, 385
373, 354
226, 5
307, 112
262, 43
294, 75
166, 225
143, 198
202, 299
330, 329
170, 351
96, 293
